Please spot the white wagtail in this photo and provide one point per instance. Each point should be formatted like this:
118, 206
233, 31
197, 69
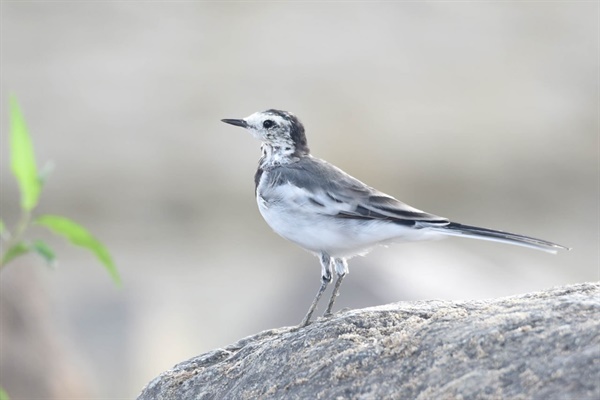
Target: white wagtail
333, 215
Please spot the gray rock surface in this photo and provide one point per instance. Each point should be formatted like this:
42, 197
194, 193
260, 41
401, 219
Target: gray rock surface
544, 345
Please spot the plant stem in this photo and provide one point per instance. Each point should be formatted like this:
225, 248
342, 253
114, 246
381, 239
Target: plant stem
18, 235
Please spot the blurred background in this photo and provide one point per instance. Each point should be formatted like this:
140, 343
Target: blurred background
485, 113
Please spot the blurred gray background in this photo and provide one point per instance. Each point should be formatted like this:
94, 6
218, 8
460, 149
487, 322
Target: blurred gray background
486, 113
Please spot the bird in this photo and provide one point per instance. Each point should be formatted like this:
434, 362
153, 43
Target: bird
333, 215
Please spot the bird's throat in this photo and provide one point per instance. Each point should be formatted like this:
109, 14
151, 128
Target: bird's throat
275, 154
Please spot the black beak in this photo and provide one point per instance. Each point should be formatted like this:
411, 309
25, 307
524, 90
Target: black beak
236, 122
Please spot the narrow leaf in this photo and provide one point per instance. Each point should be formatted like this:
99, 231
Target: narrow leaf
42, 249
79, 236
4, 233
3, 394
14, 252
23, 163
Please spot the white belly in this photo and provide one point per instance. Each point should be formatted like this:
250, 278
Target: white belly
338, 237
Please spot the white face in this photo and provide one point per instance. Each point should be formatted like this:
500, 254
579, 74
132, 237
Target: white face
269, 128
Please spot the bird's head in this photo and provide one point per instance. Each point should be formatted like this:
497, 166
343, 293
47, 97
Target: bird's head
280, 131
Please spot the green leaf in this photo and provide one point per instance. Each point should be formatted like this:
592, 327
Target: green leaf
14, 252
3, 394
22, 159
79, 236
42, 249
4, 233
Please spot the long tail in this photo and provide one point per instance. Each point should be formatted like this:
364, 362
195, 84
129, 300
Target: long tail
475, 232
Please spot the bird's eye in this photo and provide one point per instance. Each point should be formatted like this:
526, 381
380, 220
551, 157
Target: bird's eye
268, 123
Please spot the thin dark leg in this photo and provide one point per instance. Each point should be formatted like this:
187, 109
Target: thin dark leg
313, 306
341, 269
325, 279
334, 294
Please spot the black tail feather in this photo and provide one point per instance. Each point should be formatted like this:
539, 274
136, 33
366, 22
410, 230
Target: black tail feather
456, 229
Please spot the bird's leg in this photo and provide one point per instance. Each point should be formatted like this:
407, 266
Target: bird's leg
341, 269
325, 279
313, 306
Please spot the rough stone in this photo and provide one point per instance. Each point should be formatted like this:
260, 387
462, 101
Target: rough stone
544, 345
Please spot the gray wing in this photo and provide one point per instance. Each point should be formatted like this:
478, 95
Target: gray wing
333, 192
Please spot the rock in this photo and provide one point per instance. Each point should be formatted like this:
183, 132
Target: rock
544, 345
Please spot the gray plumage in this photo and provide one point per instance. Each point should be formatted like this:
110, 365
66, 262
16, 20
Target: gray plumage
321, 178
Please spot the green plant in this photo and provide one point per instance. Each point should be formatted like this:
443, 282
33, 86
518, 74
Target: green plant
30, 181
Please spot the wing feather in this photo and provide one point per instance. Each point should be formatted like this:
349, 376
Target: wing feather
333, 192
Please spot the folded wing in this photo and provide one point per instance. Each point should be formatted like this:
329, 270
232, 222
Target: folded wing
330, 191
